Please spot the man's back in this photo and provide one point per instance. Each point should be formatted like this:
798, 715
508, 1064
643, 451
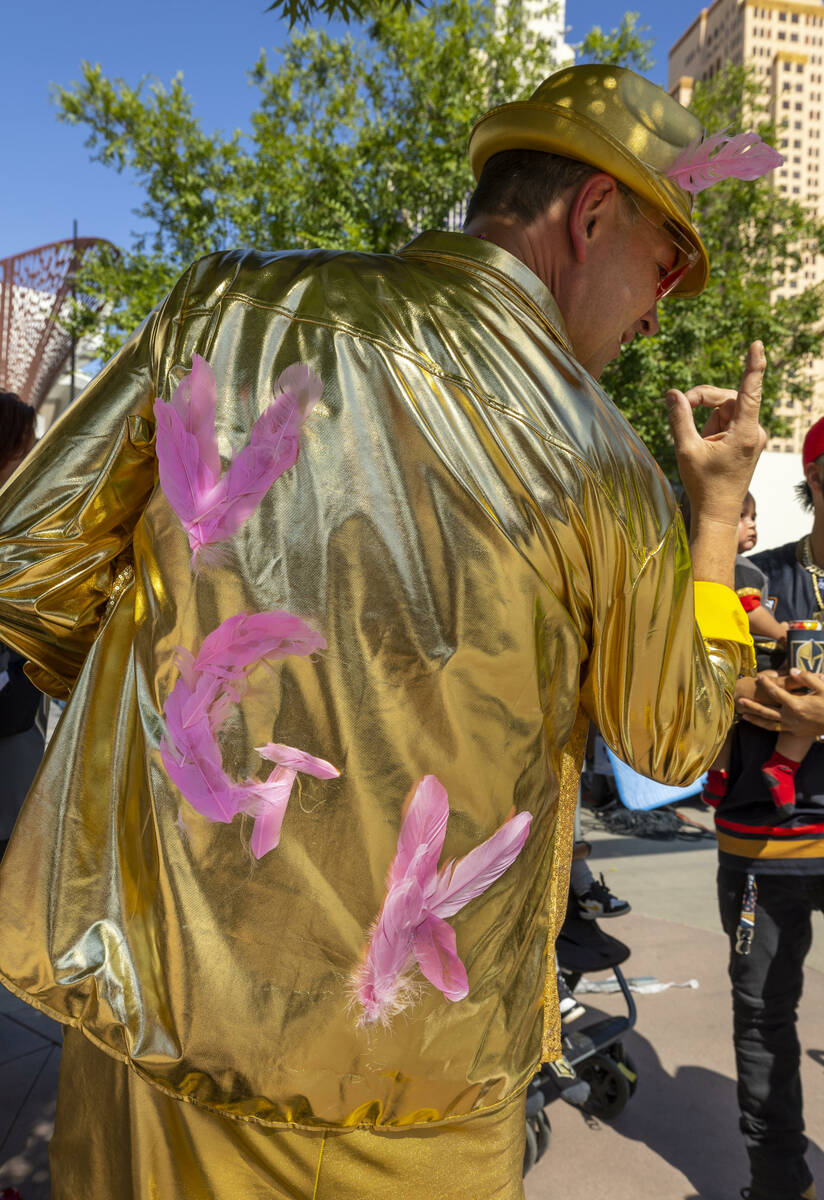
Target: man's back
462, 527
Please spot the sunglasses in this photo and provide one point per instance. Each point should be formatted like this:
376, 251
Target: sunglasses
688, 256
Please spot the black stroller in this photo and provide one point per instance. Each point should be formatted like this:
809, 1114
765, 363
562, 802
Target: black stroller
595, 1051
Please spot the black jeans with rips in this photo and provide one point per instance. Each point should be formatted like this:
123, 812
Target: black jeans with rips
766, 989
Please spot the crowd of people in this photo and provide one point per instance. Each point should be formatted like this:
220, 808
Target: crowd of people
373, 519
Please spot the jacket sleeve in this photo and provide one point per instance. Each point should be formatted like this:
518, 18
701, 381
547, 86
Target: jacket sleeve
68, 515
665, 652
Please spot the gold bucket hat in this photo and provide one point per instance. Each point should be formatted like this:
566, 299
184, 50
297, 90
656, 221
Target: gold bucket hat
615, 120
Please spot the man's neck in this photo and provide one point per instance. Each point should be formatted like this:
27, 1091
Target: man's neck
817, 540
505, 232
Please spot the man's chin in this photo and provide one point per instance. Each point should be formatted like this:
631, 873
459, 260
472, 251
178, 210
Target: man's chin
600, 361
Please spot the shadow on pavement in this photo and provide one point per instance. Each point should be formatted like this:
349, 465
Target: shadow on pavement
690, 1120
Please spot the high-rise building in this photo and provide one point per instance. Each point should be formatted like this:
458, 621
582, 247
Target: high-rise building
784, 41
548, 23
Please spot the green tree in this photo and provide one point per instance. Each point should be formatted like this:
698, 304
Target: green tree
755, 237
627, 45
301, 12
357, 142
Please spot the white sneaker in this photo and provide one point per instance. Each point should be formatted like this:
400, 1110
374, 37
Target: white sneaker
599, 901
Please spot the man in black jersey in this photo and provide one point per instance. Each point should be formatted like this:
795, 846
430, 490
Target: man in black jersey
771, 874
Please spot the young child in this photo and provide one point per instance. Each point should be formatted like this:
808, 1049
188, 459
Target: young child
779, 770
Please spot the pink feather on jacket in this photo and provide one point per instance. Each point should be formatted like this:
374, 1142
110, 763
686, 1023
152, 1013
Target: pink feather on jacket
411, 927
212, 506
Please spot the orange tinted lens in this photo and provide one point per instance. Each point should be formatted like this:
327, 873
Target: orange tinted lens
671, 281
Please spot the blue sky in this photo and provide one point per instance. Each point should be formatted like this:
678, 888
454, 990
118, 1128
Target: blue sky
47, 177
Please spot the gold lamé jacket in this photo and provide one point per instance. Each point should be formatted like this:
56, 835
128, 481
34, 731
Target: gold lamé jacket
492, 556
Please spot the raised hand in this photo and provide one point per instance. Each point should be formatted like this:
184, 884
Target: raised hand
716, 466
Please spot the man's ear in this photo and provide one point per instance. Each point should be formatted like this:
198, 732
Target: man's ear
813, 477
591, 206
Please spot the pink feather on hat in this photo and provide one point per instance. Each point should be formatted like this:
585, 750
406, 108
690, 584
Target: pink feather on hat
705, 163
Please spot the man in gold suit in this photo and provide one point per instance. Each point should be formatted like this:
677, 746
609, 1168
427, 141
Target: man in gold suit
493, 560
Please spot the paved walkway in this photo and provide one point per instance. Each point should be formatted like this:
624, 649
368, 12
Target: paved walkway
676, 1140
30, 1057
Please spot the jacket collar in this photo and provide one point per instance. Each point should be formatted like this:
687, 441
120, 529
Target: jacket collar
485, 259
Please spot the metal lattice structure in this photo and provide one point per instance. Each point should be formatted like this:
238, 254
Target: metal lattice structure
35, 291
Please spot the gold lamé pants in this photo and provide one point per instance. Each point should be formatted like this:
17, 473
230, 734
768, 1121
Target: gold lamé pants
118, 1138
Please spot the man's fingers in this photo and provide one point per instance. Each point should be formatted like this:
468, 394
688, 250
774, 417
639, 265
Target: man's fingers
752, 710
681, 420
773, 688
809, 679
749, 394
767, 723
708, 396
778, 693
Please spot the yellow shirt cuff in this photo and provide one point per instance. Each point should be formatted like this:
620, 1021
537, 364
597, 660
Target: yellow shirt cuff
720, 617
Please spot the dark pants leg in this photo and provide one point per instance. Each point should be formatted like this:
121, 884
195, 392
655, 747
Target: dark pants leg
766, 989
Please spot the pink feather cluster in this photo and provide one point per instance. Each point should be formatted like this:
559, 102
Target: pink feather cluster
419, 896
707, 162
198, 706
212, 506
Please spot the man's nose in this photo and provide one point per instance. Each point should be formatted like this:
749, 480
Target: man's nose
648, 324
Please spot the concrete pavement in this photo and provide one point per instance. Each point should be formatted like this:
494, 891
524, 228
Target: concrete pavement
29, 1058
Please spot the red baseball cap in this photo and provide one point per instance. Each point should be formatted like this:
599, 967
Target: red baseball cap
813, 443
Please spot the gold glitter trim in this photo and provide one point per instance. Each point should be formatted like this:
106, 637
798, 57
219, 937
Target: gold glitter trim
121, 581
572, 758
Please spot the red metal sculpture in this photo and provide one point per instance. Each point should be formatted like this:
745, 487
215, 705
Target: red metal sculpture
35, 290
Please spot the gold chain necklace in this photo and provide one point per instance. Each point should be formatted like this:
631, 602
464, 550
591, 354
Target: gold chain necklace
805, 555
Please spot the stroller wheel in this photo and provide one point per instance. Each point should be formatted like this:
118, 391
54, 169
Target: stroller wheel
530, 1147
538, 1133
609, 1086
626, 1065
543, 1133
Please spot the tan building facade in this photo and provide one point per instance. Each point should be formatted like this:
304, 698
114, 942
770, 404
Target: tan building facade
784, 41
